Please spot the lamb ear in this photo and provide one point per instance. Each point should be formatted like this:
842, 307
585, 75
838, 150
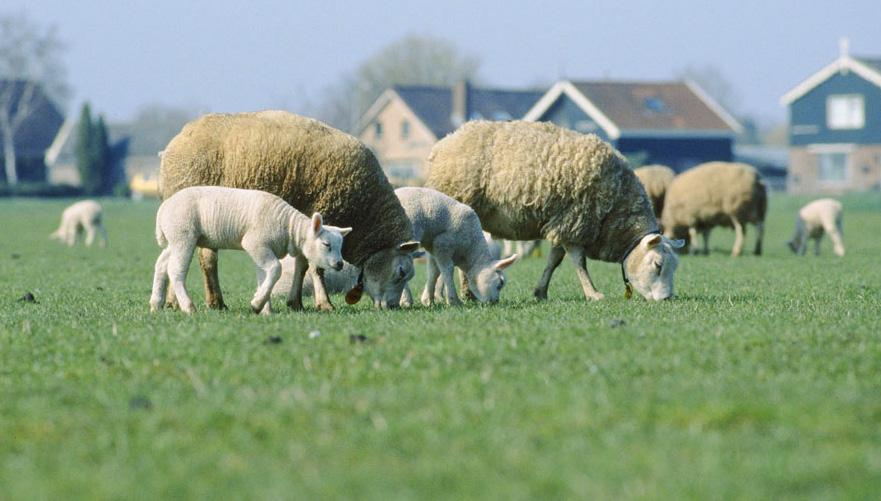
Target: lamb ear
504, 263
345, 231
654, 241
408, 247
316, 222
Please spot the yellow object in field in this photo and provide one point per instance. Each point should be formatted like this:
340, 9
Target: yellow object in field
144, 186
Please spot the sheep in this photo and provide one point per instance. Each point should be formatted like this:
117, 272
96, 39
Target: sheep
716, 194
655, 179
85, 216
314, 168
529, 180
450, 231
261, 224
813, 220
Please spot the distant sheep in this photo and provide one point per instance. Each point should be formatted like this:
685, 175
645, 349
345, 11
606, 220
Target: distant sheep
716, 194
450, 231
531, 181
314, 168
261, 224
86, 217
813, 220
655, 179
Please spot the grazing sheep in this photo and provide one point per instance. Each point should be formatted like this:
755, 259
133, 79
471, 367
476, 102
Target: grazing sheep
813, 220
450, 231
85, 216
655, 179
314, 168
716, 194
261, 224
535, 180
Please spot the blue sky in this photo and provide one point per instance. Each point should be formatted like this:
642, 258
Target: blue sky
236, 55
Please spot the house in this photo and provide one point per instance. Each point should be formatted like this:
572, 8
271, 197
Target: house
671, 123
406, 120
60, 157
37, 131
835, 127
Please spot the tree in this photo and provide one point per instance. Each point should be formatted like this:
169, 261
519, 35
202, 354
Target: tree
29, 60
715, 83
103, 161
153, 127
86, 158
412, 60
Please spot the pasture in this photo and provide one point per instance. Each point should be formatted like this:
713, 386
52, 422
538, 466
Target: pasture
762, 379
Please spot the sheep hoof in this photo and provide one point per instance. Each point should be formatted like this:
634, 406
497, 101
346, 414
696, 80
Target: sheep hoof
154, 308
454, 302
469, 295
540, 294
324, 307
216, 304
596, 296
295, 305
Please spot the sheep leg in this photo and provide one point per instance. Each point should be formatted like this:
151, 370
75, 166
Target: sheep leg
267, 308
103, 231
555, 256
445, 266
407, 297
440, 292
160, 281
268, 263
760, 235
817, 245
295, 295
705, 235
576, 254
213, 294
178, 266
430, 281
692, 241
837, 242
70, 231
463, 286
738, 237
319, 290
90, 235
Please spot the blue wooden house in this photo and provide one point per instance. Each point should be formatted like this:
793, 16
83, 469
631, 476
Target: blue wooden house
835, 127
671, 123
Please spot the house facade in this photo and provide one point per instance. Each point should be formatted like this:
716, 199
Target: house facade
669, 123
835, 127
404, 123
37, 131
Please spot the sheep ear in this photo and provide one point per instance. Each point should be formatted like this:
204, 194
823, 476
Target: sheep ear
653, 241
504, 263
345, 231
408, 247
677, 244
316, 222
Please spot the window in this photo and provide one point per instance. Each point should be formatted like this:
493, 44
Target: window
845, 111
377, 130
655, 104
833, 166
405, 130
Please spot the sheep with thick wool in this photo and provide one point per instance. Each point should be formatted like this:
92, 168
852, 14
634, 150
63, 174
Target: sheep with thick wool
451, 233
716, 194
655, 179
823, 216
261, 224
530, 181
314, 168
85, 216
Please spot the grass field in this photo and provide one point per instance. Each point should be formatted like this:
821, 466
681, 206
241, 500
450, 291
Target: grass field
761, 380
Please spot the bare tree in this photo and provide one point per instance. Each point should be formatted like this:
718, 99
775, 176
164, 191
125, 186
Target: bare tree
715, 83
30, 65
412, 60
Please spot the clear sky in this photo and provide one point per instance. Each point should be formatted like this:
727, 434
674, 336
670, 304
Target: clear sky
236, 55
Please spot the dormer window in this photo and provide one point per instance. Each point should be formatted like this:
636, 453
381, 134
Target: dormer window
405, 130
655, 104
377, 130
845, 111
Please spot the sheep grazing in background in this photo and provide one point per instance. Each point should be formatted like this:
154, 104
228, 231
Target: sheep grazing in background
85, 216
716, 194
655, 179
813, 220
531, 181
450, 231
261, 224
314, 168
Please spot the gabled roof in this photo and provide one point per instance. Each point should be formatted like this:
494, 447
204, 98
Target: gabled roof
433, 105
643, 108
39, 129
867, 67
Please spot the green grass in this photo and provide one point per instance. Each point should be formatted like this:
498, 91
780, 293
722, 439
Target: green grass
761, 380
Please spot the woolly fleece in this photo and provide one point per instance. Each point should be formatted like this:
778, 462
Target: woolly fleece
655, 179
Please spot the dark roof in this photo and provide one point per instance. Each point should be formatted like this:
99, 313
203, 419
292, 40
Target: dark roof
652, 105
872, 62
434, 105
39, 129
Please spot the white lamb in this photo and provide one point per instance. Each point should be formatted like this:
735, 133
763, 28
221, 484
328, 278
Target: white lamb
450, 231
86, 217
813, 220
261, 224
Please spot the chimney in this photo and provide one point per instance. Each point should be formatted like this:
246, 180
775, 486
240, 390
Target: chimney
460, 111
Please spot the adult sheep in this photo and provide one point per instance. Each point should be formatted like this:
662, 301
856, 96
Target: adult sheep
655, 179
716, 194
529, 180
314, 168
